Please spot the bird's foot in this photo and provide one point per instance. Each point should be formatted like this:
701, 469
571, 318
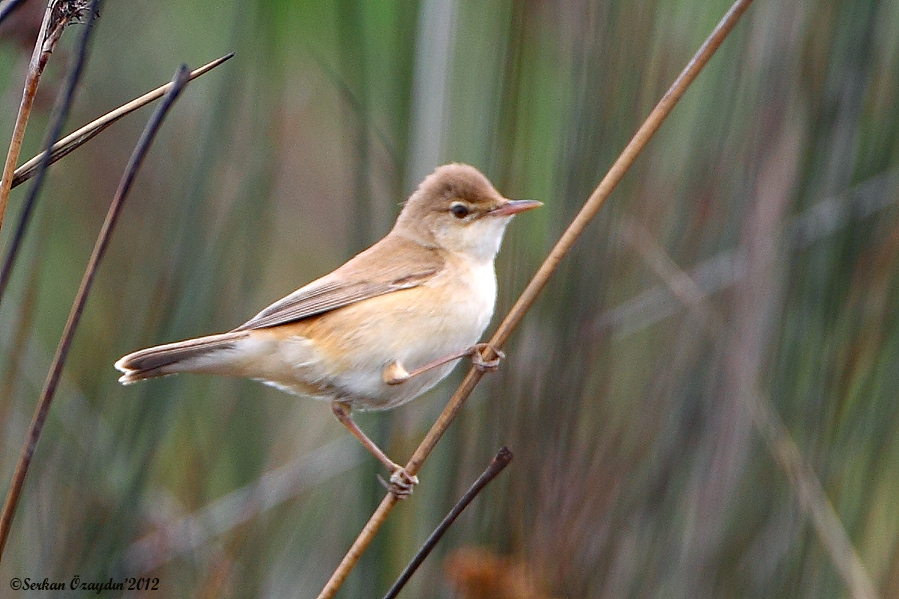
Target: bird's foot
401, 483
477, 357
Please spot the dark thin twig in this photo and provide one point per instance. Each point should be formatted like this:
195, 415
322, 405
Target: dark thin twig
115, 208
76, 139
497, 465
8, 8
61, 113
589, 210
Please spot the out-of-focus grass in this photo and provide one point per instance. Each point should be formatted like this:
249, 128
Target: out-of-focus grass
637, 470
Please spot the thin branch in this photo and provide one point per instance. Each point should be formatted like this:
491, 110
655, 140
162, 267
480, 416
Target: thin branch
497, 465
76, 139
115, 208
540, 279
60, 12
43, 47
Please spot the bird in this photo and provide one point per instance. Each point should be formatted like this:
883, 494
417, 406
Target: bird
381, 329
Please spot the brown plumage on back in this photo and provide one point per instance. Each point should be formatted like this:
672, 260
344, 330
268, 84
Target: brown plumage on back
357, 280
353, 282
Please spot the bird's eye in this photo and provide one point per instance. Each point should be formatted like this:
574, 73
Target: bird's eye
459, 210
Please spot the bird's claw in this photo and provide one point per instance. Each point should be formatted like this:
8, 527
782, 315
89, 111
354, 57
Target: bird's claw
401, 483
477, 357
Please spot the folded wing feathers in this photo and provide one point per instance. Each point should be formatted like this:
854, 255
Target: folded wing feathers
353, 282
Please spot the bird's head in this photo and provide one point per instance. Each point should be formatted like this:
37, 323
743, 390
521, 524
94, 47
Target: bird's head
457, 209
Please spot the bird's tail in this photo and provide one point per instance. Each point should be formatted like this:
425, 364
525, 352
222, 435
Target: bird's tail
194, 355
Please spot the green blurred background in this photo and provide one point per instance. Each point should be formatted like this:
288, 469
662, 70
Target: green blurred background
637, 471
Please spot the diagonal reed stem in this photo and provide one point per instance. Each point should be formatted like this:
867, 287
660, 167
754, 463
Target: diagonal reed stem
538, 282
497, 465
65, 342
76, 139
62, 148
49, 34
60, 12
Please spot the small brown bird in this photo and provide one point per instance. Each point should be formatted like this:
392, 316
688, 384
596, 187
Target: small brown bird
383, 328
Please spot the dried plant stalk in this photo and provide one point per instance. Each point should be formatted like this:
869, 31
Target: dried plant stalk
62, 13
497, 465
59, 14
76, 139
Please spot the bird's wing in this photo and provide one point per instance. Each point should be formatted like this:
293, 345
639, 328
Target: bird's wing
383, 268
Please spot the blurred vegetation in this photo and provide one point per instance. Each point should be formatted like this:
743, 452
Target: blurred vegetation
637, 472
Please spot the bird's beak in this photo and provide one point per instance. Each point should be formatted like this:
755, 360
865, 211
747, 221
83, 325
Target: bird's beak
510, 207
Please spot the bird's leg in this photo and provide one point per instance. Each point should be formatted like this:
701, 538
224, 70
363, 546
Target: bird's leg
401, 482
395, 373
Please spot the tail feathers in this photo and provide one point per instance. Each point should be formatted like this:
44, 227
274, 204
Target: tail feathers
193, 355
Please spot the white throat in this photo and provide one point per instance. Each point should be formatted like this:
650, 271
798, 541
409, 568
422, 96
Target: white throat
479, 241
